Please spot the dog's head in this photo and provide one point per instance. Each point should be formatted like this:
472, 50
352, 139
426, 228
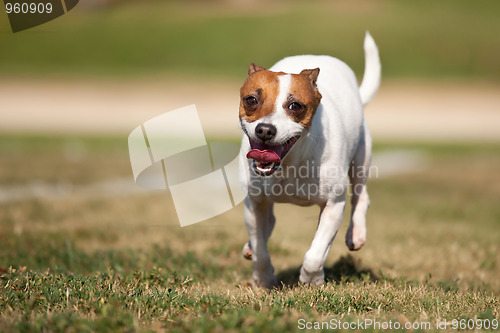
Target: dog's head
275, 110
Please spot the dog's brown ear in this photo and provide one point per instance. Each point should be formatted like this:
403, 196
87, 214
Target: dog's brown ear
312, 74
255, 68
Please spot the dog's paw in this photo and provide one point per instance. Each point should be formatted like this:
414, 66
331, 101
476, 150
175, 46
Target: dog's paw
266, 281
247, 251
312, 278
355, 238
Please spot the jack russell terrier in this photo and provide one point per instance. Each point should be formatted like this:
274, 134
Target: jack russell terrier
304, 137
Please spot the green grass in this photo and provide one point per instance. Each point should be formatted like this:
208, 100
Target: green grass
428, 39
122, 263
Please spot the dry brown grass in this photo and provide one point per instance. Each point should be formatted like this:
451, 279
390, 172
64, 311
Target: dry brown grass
432, 251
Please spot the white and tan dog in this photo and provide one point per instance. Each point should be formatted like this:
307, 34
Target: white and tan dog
305, 135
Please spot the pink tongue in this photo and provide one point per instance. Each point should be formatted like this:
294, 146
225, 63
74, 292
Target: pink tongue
266, 156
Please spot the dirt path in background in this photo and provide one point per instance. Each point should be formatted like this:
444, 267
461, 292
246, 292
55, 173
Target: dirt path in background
402, 110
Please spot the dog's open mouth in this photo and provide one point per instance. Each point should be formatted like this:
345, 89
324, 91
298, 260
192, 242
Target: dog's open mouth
267, 158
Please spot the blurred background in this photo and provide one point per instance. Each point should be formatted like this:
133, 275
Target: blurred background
109, 65
73, 89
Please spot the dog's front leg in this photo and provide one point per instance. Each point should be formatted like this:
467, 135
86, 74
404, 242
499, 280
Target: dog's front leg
329, 222
259, 221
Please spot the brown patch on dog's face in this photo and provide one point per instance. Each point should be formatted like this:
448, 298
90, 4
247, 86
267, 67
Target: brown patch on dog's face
303, 98
258, 94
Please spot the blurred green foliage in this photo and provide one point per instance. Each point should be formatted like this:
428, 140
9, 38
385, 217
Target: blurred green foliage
424, 39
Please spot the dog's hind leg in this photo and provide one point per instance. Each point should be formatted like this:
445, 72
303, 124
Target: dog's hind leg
259, 221
247, 251
358, 174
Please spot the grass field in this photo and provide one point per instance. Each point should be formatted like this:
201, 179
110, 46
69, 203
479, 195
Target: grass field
77, 259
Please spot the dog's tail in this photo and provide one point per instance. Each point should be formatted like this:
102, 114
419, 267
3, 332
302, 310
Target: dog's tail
371, 77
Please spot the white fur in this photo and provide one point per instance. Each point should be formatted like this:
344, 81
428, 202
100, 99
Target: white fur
371, 78
338, 137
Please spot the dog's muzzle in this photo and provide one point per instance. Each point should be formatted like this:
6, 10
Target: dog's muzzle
267, 158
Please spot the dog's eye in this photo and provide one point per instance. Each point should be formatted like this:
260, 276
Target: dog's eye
251, 102
295, 107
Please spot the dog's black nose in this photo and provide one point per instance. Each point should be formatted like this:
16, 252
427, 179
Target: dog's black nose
265, 132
